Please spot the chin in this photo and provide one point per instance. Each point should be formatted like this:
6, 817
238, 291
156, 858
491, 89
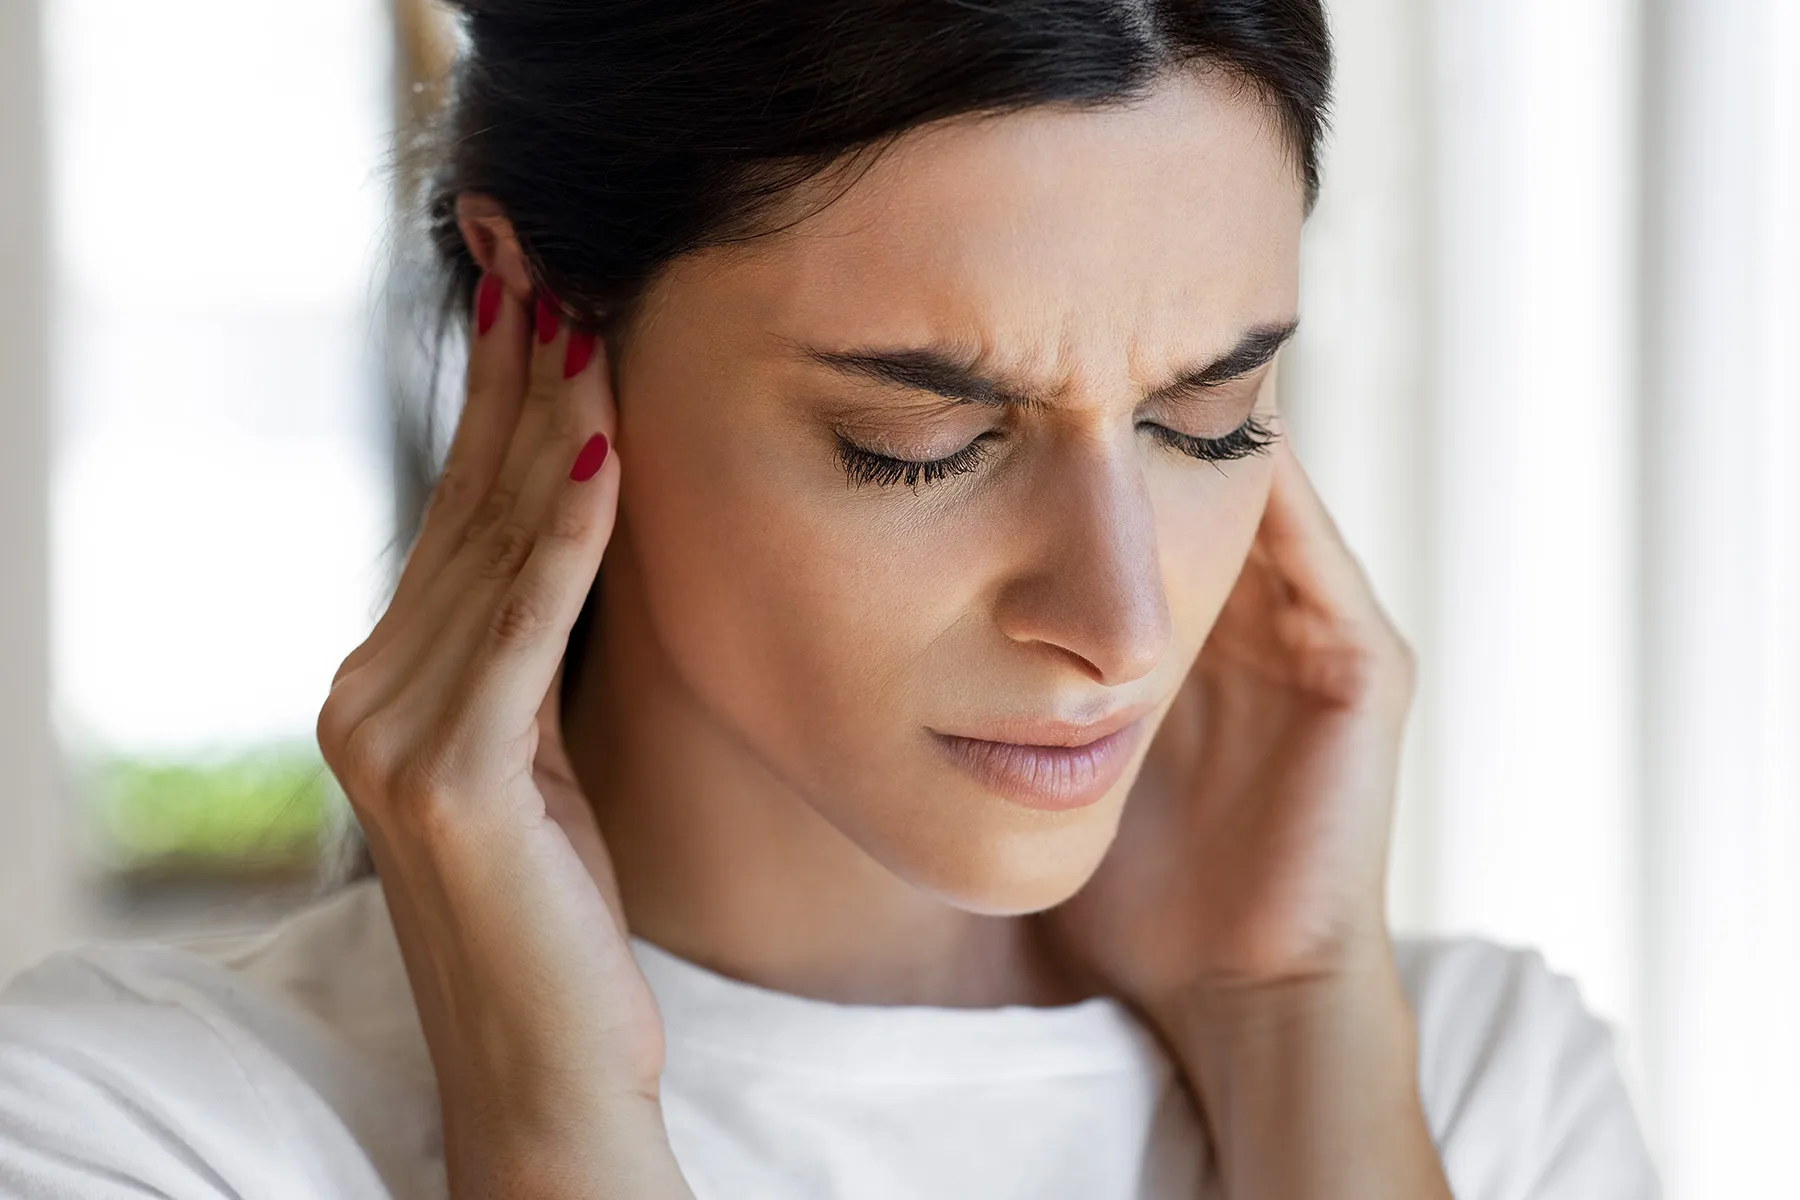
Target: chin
1013, 871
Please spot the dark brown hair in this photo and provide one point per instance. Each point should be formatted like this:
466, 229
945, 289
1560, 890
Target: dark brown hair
619, 135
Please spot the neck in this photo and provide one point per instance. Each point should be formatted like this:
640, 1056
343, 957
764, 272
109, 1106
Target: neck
722, 863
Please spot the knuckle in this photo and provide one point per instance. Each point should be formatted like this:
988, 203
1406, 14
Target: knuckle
507, 549
570, 427
545, 390
521, 615
572, 522
418, 794
454, 492
398, 777
332, 728
365, 757
352, 661
396, 781
493, 510
1386, 668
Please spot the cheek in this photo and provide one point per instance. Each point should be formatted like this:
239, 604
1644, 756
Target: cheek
826, 627
792, 607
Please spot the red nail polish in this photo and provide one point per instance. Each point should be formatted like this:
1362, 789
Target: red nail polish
487, 303
546, 320
589, 461
578, 355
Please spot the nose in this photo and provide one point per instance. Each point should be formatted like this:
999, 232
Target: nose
1090, 582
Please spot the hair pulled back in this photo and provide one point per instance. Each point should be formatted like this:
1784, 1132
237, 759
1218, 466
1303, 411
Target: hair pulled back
618, 135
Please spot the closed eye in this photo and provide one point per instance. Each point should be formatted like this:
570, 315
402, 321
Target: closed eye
883, 470
862, 466
1252, 437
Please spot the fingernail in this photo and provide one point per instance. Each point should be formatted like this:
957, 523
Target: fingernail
487, 303
592, 455
579, 353
546, 320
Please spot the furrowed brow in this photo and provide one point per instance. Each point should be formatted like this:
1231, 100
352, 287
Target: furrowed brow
942, 373
928, 369
1257, 349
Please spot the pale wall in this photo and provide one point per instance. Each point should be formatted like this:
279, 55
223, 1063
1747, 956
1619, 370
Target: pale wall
35, 880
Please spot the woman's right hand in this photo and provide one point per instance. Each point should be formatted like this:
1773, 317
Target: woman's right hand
443, 730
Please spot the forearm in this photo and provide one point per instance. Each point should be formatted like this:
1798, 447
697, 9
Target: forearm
1310, 1090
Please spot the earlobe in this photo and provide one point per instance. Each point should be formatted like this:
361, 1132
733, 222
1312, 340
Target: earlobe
489, 235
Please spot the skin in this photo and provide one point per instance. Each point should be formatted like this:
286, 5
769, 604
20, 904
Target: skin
757, 738
748, 777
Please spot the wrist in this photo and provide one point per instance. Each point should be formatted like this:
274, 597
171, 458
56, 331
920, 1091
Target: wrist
621, 1150
1219, 1027
1308, 1086
1355, 968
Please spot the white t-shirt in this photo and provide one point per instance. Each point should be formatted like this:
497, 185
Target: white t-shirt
289, 1062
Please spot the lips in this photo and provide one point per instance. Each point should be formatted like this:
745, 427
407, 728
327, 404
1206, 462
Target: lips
1053, 765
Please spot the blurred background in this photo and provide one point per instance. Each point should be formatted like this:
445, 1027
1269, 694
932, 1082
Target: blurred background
1549, 380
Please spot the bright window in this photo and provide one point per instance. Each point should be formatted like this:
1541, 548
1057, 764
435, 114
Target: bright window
222, 500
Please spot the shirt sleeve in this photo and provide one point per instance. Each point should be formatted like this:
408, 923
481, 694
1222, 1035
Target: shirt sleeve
1520, 1080
148, 1070
104, 1095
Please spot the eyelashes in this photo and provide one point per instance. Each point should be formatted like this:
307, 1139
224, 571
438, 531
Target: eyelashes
1252, 437
865, 466
881, 470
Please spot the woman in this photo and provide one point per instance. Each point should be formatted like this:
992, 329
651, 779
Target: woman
874, 708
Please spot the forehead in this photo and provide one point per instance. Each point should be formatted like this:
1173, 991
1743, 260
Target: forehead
1051, 240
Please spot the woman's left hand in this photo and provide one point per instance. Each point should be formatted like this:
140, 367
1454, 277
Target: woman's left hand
1253, 847
1242, 905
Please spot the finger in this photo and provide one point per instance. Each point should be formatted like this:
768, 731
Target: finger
495, 555
1351, 650
567, 392
1302, 545
506, 680
499, 333
518, 392
573, 373
499, 361
451, 623
545, 426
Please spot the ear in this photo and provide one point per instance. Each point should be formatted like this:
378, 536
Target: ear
490, 238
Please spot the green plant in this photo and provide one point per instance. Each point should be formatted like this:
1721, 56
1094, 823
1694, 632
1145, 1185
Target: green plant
251, 808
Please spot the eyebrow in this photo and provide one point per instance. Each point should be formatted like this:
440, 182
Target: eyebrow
944, 373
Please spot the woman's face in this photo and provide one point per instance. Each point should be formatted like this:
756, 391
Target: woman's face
1024, 295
